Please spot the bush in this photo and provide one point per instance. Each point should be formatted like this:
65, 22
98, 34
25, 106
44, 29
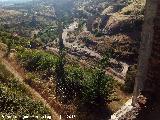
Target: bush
97, 89
34, 60
14, 99
130, 79
89, 87
17, 40
74, 76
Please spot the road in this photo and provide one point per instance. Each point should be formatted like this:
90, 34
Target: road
116, 75
75, 45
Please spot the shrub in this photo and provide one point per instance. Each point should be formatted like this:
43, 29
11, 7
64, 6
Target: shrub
97, 89
130, 79
74, 76
88, 87
14, 99
34, 60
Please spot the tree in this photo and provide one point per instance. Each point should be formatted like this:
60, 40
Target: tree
74, 76
130, 79
60, 79
9, 47
98, 88
60, 72
104, 62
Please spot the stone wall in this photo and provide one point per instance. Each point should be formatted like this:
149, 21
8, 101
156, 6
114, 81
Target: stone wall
148, 35
152, 82
148, 77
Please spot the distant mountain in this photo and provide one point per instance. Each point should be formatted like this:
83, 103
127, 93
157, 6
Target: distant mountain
15, 1
8, 2
11, 2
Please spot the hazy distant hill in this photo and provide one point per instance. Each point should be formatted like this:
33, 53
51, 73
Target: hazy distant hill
11, 2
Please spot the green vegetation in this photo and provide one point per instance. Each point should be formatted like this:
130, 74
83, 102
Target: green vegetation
60, 81
90, 87
130, 79
35, 60
97, 89
14, 40
64, 11
74, 78
14, 99
48, 34
9, 46
86, 85
60, 78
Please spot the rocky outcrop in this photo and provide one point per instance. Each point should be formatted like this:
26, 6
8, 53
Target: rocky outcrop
128, 19
119, 23
112, 9
124, 30
135, 8
148, 80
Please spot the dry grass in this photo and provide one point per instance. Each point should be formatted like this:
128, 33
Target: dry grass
135, 8
3, 47
122, 99
127, 16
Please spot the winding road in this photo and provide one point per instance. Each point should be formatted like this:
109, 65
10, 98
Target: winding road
72, 27
118, 76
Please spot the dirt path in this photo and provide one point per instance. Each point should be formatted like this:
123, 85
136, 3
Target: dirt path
34, 93
123, 110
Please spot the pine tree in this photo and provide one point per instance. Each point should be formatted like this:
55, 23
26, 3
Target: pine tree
60, 72
9, 47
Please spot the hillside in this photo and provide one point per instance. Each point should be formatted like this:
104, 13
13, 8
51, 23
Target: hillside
127, 19
123, 30
16, 101
76, 55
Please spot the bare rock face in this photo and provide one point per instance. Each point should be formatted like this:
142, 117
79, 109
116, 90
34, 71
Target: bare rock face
152, 79
135, 8
119, 23
112, 9
128, 19
148, 80
124, 30
126, 47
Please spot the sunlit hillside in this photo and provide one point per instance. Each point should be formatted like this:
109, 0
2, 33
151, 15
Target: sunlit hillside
78, 57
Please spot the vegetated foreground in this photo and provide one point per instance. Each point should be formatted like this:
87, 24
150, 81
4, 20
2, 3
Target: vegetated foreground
72, 68
15, 100
87, 90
